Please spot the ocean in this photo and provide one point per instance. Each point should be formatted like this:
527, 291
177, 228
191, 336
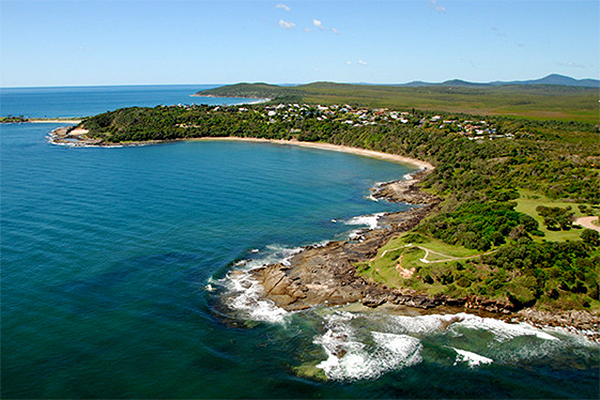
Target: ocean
124, 275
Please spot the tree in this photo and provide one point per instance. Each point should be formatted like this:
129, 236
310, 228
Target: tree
556, 218
590, 237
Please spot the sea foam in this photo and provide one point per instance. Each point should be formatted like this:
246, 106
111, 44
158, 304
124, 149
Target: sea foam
355, 355
472, 359
370, 221
245, 295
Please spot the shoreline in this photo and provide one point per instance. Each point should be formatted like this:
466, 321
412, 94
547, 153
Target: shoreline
54, 121
78, 138
74, 120
327, 274
423, 165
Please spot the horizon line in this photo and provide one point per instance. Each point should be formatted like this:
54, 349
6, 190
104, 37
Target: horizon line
279, 83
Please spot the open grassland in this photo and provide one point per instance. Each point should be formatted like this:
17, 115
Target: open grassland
538, 102
529, 201
535, 102
398, 260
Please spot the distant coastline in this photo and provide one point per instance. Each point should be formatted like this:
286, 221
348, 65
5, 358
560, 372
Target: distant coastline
54, 121
257, 99
23, 120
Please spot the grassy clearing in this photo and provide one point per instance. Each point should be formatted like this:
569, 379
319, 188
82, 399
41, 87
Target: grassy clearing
402, 256
529, 200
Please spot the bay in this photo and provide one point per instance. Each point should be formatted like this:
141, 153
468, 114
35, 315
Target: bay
117, 283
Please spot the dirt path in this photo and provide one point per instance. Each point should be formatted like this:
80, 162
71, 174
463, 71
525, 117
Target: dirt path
428, 251
586, 222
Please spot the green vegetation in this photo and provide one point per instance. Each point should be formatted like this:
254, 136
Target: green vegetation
543, 102
252, 91
550, 274
510, 188
11, 119
529, 201
590, 237
556, 218
481, 226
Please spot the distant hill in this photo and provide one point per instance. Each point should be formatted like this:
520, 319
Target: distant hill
552, 79
555, 79
535, 99
250, 91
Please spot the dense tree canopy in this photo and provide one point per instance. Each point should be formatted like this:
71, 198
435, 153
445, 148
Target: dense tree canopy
480, 166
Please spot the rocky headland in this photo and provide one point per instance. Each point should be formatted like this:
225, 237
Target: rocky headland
327, 274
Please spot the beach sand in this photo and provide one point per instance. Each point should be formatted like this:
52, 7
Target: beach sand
54, 121
333, 147
422, 165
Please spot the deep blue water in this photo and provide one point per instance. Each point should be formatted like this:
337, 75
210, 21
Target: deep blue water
54, 102
117, 282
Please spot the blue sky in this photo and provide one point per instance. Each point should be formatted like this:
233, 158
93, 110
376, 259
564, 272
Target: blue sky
50, 43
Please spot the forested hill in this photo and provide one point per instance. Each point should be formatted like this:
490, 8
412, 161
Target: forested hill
511, 189
251, 91
547, 102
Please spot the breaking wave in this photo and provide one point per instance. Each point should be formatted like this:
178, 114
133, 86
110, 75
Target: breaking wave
361, 345
472, 359
370, 221
351, 355
244, 295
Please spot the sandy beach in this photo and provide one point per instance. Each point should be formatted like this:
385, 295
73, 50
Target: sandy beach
54, 121
333, 147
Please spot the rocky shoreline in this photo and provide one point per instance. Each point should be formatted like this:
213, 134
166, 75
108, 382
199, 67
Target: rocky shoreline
74, 136
327, 274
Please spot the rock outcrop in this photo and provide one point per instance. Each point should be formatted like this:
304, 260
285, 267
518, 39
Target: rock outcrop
327, 274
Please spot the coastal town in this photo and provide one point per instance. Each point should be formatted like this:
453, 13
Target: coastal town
466, 126
298, 115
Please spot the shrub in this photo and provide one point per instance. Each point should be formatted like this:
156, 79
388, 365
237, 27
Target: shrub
590, 237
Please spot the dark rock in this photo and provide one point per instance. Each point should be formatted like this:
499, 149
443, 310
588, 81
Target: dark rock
327, 275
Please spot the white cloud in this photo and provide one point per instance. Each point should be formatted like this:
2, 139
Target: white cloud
286, 25
307, 30
363, 63
571, 64
438, 7
348, 62
283, 7
318, 24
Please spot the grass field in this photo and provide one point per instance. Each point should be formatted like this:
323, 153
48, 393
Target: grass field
527, 204
408, 252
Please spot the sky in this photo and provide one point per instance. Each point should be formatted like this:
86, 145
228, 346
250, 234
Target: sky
111, 42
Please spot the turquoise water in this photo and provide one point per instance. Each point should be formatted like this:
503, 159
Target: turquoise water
117, 282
